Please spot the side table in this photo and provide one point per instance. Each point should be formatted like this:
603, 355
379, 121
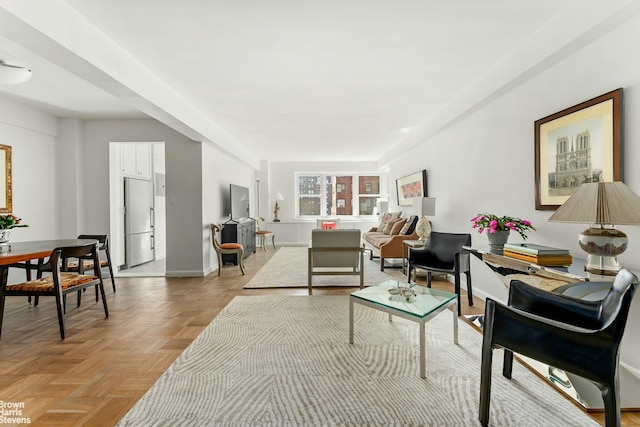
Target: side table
406, 244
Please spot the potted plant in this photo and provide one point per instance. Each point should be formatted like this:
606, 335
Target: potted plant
7, 223
499, 227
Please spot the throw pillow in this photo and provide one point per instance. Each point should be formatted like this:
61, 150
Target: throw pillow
389, 226
386, 218
409, 225
328, 225
398, 226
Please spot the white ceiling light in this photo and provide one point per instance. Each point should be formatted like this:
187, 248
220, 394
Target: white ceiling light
13, 74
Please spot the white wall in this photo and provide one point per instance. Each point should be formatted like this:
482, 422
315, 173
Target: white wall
33, 138
484, 162
36, 175
183, 186
61, 181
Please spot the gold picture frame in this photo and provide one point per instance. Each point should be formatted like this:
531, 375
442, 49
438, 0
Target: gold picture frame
577, 145
5, 179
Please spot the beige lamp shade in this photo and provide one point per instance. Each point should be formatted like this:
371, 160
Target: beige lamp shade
424, 206
601, 203
382, 205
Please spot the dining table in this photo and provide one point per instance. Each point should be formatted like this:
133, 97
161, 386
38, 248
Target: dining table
24, 252
20, 255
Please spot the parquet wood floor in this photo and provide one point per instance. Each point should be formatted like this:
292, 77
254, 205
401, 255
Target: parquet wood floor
104, 366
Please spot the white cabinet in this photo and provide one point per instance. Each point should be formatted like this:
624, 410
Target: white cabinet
135, 160
143, 160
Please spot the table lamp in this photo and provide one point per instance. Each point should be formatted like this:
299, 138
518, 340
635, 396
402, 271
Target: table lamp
276, 208
423, 206
601, 204
382, 205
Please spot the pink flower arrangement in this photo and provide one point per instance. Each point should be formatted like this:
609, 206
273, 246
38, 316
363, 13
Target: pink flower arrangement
493, 223
7, 222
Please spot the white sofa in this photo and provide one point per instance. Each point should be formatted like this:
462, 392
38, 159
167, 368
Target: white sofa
335, 252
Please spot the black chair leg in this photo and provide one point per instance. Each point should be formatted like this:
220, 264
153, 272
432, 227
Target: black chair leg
60, 308
113, 281
611, 399
428, 279
507, 366
457, 291
485, 366
469, 291
104, 299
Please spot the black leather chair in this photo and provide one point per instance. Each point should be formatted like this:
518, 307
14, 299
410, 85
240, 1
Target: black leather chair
443, 253
578, 336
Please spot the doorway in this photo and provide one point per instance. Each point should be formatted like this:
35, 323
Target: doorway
137, 233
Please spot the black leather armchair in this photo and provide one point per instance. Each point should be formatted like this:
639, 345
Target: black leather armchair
581, 337
443, 253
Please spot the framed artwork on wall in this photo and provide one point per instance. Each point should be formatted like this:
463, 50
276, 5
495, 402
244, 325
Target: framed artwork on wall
410, 186
5, 179
577, 145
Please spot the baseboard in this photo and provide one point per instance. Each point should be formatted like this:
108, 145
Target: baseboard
186, 273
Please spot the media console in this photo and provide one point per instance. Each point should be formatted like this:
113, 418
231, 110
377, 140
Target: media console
243, 232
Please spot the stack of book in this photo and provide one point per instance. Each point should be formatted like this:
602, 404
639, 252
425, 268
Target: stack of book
538, 254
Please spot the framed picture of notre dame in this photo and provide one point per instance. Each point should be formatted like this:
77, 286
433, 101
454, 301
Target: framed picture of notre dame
577, 145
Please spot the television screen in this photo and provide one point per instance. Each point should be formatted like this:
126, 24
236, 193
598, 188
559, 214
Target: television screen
239, 202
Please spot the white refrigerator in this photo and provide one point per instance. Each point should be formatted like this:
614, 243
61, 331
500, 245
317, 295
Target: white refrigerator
138, 221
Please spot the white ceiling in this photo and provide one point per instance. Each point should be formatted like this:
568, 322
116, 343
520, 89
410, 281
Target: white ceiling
287, 79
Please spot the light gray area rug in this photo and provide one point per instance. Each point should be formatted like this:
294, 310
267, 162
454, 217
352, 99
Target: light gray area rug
288, 269
287, 361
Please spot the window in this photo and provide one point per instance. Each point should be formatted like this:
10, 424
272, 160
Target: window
369, 187
331, 195
309, 194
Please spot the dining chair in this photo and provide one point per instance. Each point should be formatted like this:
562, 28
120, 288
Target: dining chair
263, 235
105, 261
574, 335
225, 248
73, 265
59, 283
443, 253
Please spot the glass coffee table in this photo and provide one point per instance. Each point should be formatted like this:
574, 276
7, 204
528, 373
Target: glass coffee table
419, 306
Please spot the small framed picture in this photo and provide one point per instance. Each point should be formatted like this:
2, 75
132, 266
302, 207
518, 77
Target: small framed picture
410, 186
